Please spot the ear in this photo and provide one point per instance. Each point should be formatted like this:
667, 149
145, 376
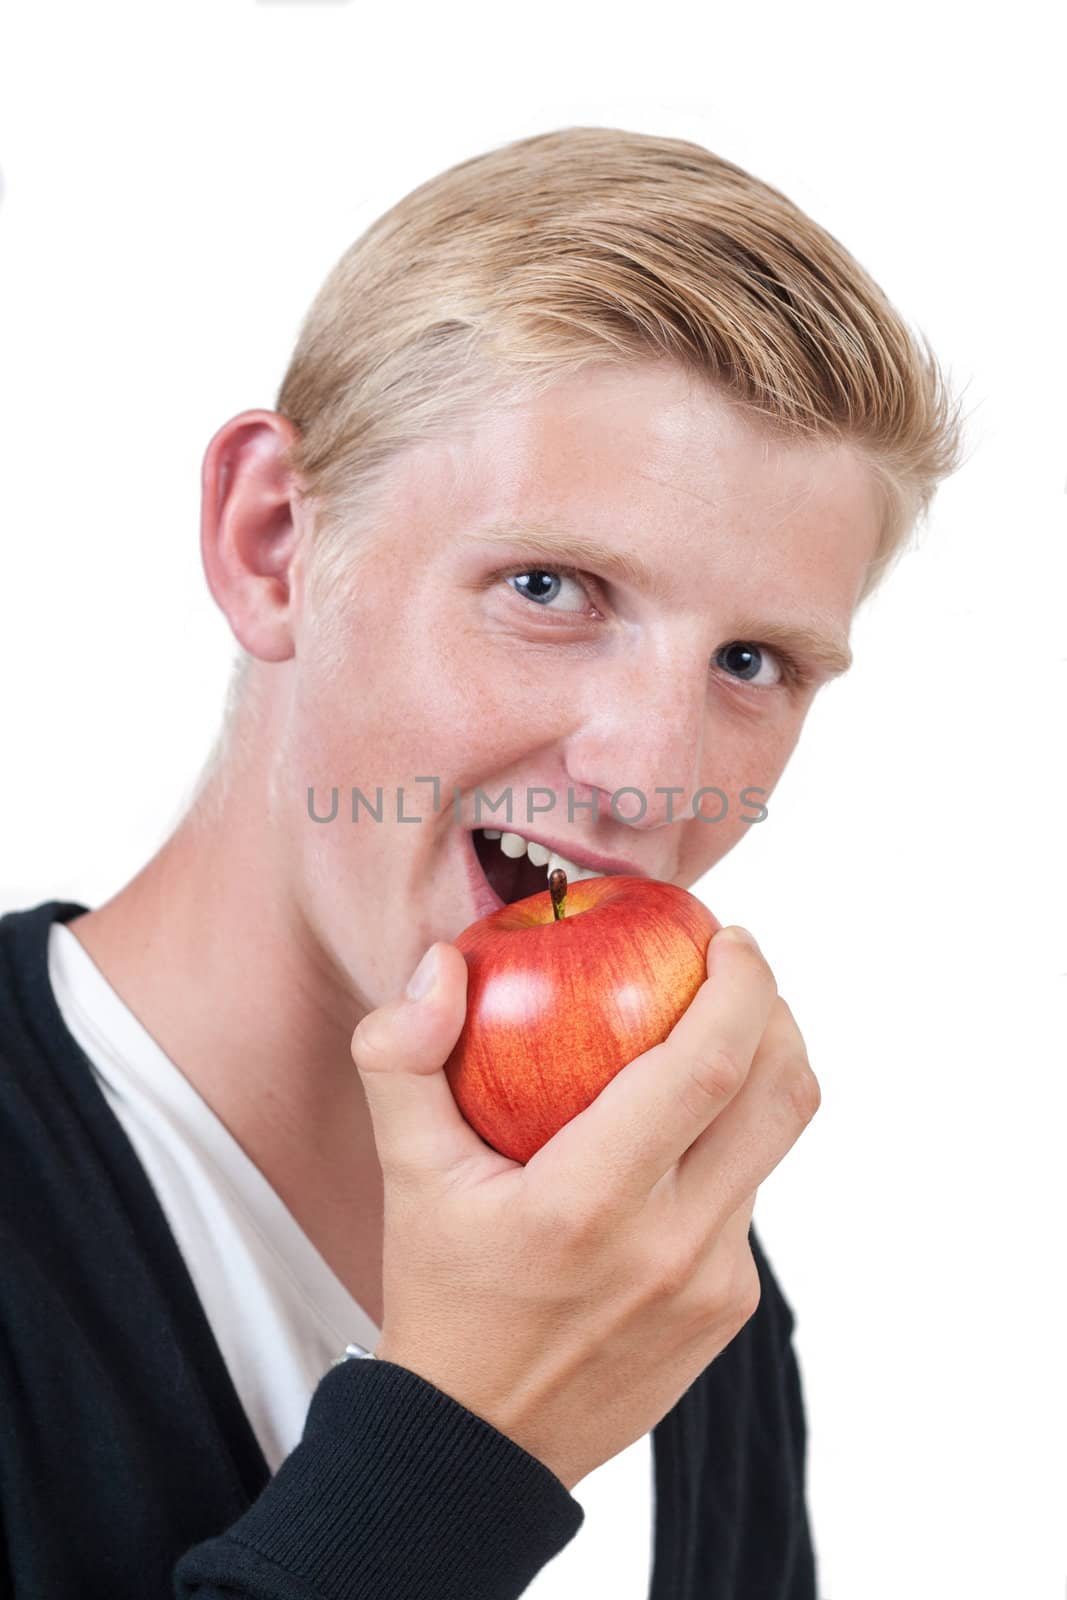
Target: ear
249, 530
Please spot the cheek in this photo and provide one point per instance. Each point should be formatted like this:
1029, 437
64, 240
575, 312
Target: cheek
728, 811
744, 747
743, 762
508, 700
444, 717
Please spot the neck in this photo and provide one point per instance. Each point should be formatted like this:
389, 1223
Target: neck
207, 947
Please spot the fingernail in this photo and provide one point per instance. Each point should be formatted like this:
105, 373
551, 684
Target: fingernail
739, 936
423, 978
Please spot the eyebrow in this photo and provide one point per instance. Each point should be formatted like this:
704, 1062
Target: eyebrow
562, 544
827, 650
553, 543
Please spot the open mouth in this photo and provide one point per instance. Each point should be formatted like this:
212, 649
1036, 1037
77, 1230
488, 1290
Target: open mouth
515, 867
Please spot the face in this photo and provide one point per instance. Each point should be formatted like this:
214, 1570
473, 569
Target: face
482, 649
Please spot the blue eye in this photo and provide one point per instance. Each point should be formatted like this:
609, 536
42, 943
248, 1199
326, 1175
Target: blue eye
742, 660
745, 661
543, 586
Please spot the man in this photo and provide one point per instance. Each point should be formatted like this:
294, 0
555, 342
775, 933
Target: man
586, 456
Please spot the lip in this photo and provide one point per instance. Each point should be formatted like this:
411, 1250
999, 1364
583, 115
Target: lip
581, 857
485, 898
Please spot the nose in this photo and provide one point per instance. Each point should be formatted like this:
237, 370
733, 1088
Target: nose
644, 732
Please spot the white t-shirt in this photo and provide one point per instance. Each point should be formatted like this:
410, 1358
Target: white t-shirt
278, 1312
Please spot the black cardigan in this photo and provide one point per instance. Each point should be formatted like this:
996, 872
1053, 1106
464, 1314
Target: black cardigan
128, 1470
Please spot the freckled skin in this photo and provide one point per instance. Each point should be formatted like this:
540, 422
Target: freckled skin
447, 677
286, 931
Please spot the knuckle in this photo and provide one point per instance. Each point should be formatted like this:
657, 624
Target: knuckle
369, 1048
761, 972
783, 1015
785, 1029
547, 1216
587, 1231
727, 1288
771, 980
747, 1295
804, 1092
674, 1270
560, 1220
716, 1075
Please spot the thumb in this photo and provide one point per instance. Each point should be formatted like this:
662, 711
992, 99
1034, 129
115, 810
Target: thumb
400, 1051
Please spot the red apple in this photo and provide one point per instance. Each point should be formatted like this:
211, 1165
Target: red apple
565, 988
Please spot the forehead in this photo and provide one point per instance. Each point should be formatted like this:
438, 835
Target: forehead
647, 476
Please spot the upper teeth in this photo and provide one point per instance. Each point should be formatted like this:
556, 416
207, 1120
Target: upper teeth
514, 845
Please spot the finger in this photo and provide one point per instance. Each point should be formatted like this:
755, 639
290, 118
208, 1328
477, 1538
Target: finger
400, 1051
755, 1131
649, 1114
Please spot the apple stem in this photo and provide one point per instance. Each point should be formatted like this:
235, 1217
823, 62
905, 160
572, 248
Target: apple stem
557, 888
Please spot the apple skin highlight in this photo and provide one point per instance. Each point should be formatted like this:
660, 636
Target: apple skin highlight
555, 1008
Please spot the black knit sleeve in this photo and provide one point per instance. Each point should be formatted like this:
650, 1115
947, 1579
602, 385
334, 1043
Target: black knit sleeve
395, 1492
783, 1430
800, 1584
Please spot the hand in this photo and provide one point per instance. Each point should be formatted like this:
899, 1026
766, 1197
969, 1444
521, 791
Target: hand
572, 1301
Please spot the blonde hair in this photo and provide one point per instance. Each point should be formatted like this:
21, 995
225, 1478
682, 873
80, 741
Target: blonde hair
518, 267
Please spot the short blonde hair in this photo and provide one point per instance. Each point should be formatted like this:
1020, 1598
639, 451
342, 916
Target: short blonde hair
518, 267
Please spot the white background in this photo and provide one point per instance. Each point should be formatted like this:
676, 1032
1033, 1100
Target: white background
177, 181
